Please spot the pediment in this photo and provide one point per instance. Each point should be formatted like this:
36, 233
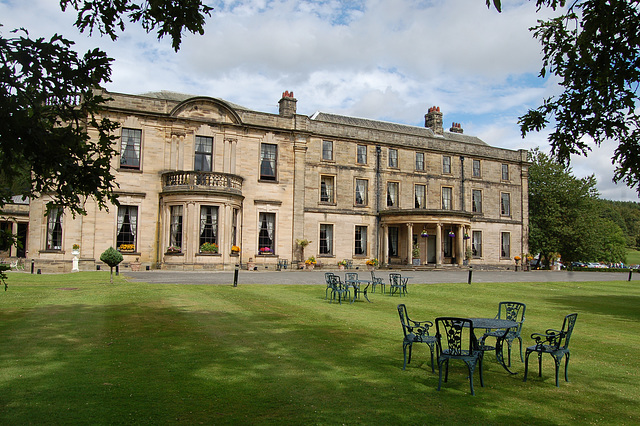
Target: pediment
204, 108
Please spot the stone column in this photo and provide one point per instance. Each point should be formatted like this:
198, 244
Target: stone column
438, 245
410, 243
460, 244
385, 245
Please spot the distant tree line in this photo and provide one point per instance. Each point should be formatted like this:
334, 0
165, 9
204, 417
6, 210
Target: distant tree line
567, 217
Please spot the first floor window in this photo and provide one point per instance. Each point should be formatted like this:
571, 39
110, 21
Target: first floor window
176, 227
447, 198
127, 227
327, 150
326, 189
203, 154
268, 155
392, 194
505, 245
476, 168
421, 197
54, 229
476, 201
393, 241
130, 143
446, 164
208, 225
326, 239
476, 243
361, 240
362, 154
420, 161
505, 204
361, 192
267, 233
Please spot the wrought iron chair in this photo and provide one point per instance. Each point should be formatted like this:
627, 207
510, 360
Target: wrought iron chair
554, 343
513, 311
338, 288
375, 281
415, 332
327, 278
456, 340
397, 284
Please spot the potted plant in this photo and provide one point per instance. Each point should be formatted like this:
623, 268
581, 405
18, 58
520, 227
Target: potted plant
235, 249
468, 254
416, 254
517, 259
75, 250
265, 250
372, 263
310, 263
127, 248
210, 248
302, 243
342, 264
174, 249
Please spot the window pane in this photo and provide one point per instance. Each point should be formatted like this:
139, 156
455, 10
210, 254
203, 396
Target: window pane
505, 204
362, 154
326, 239
127, 227
476, 168
361, 240
266, 235
505, 172
446, 198
208, 225
234, 227
392, 194
476, 245
420, 197
326, 189
203, 153
54, 229
419, 160
446, 164
327, 150
361, 192
268, 161
130, 148
393, 241
476, 201
506, 245
175, 238
393, 158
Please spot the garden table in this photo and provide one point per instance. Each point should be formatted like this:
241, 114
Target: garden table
356, 284
495, 324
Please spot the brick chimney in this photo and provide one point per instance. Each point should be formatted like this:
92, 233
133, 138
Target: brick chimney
456, 128
287, 104
433, 120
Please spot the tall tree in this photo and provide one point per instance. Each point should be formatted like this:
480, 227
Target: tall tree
564, 215
48, 102
593, 46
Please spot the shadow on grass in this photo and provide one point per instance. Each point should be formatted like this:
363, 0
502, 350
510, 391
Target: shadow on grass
263, 362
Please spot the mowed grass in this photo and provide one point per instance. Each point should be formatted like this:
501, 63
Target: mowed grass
75, 349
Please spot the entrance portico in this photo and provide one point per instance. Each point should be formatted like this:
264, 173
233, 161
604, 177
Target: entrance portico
440, 236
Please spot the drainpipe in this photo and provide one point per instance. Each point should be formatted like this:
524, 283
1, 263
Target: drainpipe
377, 249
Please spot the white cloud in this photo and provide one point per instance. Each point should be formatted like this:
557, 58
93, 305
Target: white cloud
379, 59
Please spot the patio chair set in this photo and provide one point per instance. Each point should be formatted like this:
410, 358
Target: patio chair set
455, 339
340, 289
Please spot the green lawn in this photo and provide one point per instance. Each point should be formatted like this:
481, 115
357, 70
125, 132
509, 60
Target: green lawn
77, 350
633, 257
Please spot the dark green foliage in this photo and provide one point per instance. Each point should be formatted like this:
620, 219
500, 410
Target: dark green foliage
565, 215
592, 46
111, 257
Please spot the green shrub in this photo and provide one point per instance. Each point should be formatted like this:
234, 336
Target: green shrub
111, 257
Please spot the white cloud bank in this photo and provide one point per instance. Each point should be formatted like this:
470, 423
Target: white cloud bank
379, 59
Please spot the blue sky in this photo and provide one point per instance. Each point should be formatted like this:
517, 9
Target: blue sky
380, 59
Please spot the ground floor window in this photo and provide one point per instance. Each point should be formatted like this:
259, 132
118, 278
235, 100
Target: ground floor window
126, 238
476, 243
208, 225
361, 240
54, 229
175, 237
447, 243
505, 245
234, 227
326, 239
393, 241
266, 235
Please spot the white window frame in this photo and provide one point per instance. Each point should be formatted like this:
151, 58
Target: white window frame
420, 204
447, 198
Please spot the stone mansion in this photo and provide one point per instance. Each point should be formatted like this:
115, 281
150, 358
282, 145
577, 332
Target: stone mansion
200, 177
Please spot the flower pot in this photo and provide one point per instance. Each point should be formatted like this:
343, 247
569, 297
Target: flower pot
310, 266
135, 266
341, 267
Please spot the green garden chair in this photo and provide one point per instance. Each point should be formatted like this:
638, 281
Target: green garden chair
415, 332
513, 311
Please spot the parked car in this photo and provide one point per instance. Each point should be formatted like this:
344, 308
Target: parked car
578, 265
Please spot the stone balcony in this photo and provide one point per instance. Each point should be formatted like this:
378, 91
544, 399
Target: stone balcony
208, 182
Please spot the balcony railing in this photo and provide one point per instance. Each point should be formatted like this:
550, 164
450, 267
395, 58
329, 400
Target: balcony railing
182, 181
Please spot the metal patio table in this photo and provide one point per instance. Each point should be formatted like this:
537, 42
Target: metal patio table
495, 324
